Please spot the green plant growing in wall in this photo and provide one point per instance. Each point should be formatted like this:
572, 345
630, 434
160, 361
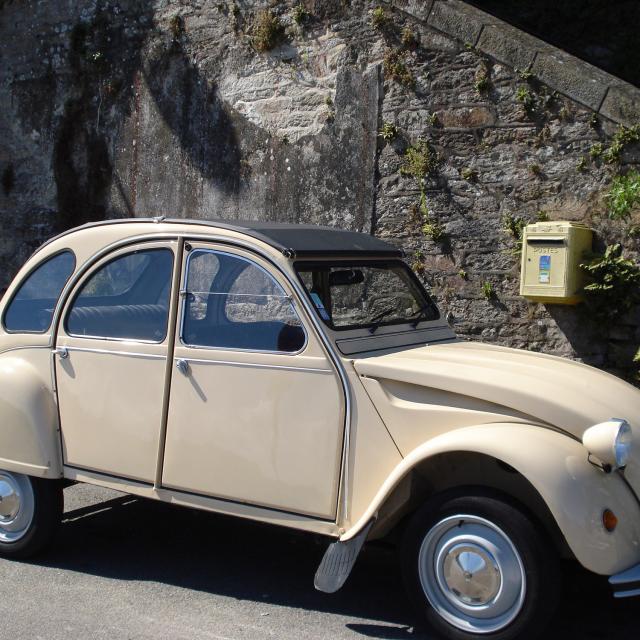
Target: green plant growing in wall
379, 18
581, 165
482, 82
614, 282
542, 216
388, 132
434, 230
395, 67
526, 98
535, 169
514, 226
420, 160
470, 174
408, 38
525, 75
623, 137
300, 15
418, 261
623, 196
330, 113
176, 26
463, 274
596, 150
488, 292
267, 32
432, 119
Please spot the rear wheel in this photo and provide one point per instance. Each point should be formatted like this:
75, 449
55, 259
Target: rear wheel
476, 566
30, 511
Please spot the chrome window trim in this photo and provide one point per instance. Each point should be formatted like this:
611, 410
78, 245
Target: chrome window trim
183, 290
133, 354
254, 365
342, 513
112, 339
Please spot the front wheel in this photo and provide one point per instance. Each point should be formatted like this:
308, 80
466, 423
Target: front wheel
476, 566
30, 511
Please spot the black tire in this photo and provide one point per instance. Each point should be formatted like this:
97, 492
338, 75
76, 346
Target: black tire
440, 526
47, 506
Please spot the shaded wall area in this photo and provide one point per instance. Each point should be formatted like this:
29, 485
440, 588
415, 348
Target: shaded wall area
602, 32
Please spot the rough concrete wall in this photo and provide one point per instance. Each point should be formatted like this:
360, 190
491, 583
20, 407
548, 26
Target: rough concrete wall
128, 108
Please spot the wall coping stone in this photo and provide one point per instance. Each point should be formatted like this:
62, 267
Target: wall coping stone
603, 93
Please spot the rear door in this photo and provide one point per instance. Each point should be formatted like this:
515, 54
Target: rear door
256, 410
111, 362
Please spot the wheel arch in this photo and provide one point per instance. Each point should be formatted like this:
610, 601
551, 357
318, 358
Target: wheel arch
29, 439
460, 472
551, 476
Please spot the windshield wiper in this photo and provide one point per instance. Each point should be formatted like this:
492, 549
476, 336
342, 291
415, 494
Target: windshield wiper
376, 320
421, 315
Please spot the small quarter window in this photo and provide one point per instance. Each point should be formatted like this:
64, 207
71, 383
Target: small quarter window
125, 299
32, 306
232, 303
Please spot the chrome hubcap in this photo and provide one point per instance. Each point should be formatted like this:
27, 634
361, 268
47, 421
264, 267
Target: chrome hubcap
16, 506
472, 574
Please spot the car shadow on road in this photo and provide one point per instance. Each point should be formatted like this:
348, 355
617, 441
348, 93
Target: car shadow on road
127, 538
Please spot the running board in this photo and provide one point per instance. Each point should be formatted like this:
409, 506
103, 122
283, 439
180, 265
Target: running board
338, 561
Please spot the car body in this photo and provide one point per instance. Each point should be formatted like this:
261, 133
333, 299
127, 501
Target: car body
301, 376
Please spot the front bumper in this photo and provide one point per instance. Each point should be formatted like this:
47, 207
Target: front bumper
626, 584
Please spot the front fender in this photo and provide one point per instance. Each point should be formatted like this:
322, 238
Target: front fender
29, 440
575, 491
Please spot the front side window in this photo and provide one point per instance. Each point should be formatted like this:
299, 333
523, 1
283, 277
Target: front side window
31, 308
125, 299
232, 303
352, 295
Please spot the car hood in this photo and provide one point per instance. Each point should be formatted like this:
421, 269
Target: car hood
568, 395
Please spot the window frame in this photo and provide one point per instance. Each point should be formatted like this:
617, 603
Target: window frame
57, 299
184, 307
364, 262
71, 300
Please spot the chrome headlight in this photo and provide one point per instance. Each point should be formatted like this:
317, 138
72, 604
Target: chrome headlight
610, 442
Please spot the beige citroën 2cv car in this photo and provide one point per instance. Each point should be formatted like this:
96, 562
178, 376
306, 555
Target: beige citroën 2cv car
302, 376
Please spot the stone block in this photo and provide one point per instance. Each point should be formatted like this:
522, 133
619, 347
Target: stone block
458, 20
577, 79
417, 8
510, 46
622, 104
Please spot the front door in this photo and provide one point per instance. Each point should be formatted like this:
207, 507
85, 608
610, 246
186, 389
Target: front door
256, 411
111, 362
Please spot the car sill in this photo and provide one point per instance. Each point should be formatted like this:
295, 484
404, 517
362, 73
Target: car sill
207, 503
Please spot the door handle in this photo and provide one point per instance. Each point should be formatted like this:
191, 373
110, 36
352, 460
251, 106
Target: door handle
63, 352
182, 366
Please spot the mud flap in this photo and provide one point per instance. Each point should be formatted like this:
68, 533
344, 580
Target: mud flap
338, 560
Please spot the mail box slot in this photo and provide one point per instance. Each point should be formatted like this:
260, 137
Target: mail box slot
551, 257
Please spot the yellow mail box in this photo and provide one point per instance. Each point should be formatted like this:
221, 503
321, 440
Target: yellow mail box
551, 257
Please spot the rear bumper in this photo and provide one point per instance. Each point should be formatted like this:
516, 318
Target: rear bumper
626, 584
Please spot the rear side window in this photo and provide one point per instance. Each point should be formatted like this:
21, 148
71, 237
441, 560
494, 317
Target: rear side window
125, 299
31, 308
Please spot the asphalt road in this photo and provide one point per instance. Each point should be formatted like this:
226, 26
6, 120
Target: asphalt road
125, 568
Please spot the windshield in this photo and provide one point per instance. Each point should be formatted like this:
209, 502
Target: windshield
350, 295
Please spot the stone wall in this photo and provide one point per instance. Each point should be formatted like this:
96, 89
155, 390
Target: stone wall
112, 109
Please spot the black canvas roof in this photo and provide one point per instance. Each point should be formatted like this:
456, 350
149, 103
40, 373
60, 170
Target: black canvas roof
307, 240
